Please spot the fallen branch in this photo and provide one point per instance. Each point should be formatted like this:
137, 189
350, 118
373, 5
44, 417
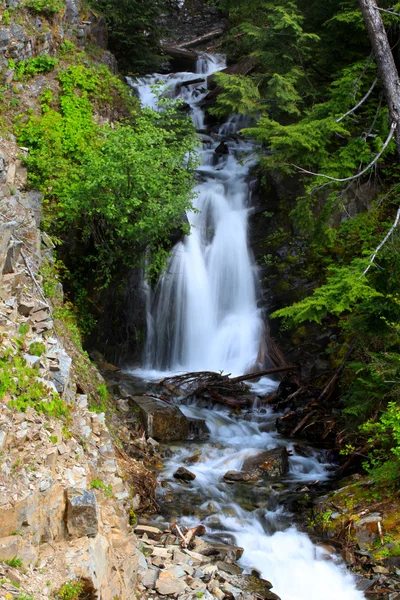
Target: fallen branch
383, 242
349, 112
361, 173
337, 373
187, 536
250, 376
193, 82
211, 35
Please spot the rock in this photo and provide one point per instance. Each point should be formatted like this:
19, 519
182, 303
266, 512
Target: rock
252, 584
12, 257
61, 378
152, 532
218, 549
32, 361
184, 474
82, 513
222, 148
162, 421
274, 463
149, 578
5, 38
168, 585
25, 307
366, 530
241, 476
6, 231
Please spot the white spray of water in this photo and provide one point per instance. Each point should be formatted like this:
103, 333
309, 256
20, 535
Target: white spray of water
204, 313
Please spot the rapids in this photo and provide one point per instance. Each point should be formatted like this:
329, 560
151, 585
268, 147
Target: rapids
204, 315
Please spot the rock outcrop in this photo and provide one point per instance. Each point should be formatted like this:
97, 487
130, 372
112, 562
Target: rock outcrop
65, 495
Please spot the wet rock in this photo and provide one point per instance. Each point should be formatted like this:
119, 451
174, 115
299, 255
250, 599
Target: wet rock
252, 584
241, 476
184, 474
222, 148
366, 530
82, 513
163, 422
273, 463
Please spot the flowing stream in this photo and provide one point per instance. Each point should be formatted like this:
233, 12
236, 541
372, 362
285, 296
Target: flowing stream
204, 315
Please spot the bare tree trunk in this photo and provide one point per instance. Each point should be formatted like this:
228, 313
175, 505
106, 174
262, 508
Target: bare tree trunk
385, 62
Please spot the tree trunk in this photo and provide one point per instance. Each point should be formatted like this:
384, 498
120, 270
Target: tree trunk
384, 60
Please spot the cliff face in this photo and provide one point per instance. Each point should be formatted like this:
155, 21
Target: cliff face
65, 496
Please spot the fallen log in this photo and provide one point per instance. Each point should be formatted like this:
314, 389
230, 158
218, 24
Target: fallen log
231, 392
186, 535
193, 82
179, 53
207, 37
250, 376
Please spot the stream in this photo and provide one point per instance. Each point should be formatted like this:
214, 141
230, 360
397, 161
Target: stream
203, 315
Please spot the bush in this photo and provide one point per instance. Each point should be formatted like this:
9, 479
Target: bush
47, 7
26, 69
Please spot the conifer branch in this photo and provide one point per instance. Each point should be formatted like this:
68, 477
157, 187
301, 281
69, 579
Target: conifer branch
349, 112
361, 173
383, 242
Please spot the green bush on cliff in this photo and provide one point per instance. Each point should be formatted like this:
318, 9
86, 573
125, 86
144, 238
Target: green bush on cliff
47, 7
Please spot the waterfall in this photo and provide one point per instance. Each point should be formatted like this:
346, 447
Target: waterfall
204, 313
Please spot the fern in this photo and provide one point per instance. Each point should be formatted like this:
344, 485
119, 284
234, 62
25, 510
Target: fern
344, 289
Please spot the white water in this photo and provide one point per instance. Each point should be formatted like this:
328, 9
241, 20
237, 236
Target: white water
204, 316
204, 312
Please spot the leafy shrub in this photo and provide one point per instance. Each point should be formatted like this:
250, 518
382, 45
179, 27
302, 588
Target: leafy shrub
71, 590
26, 69
20, 382
47, 7
37, 348
97, 484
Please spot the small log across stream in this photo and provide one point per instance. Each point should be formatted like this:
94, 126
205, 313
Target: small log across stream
218, 387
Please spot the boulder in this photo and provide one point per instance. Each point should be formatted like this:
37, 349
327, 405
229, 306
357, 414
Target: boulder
82, 513
366, 530
241, 476
252, 584
184, 474
162, 421
12, 257
273, 463
6, 231
222, 148
169, 585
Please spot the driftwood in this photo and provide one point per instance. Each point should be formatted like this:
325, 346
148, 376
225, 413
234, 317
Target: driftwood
219, 388
186, 535
179, 53
207, 37
193, 82
328, 389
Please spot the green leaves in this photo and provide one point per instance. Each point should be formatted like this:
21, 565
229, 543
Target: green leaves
345, 288
240, 95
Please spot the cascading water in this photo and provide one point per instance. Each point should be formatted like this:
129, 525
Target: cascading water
204, 313
204, 316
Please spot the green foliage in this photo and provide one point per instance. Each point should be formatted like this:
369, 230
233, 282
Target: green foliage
37, 348
22, 386
97, 484
134, 32
14, 562
346, 287
239, 95
47, 7
71, 590
130, 193
26, 69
